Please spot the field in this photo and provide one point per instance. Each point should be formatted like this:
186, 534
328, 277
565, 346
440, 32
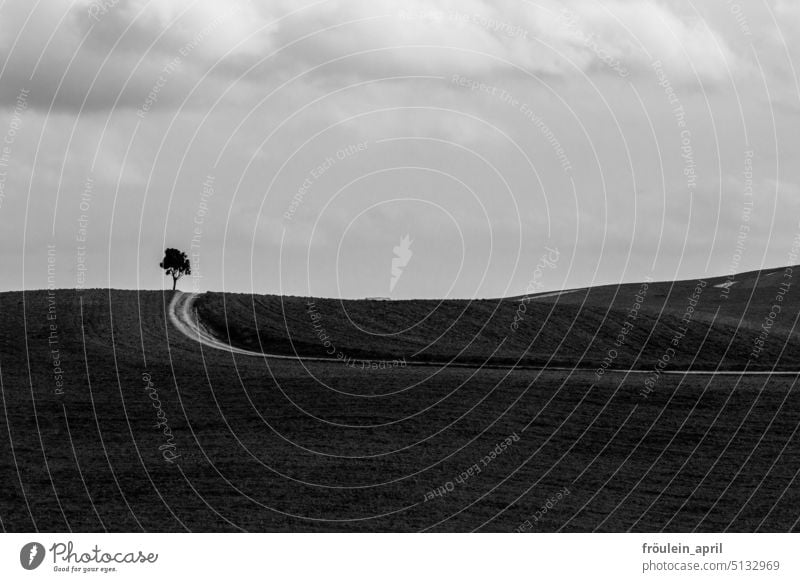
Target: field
544, 419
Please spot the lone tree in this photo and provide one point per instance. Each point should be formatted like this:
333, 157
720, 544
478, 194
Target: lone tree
176, 264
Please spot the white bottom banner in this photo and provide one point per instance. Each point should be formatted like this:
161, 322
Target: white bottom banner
401, 557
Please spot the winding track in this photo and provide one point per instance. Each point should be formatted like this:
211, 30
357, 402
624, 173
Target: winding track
185, 320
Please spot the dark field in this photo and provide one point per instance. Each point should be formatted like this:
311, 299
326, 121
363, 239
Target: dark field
262, 444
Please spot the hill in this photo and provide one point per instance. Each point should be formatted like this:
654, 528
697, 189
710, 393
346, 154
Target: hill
115, 420
714, 324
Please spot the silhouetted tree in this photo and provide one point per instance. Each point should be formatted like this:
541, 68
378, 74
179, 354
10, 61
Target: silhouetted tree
176, 264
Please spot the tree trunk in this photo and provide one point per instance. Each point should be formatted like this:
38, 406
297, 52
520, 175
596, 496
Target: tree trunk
174, 282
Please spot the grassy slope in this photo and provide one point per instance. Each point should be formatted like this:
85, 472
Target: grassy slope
577, 328
274, 445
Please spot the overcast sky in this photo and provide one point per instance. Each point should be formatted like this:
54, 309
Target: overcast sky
288, 147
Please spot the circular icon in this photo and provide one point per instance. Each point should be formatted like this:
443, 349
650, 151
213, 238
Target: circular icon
31, 555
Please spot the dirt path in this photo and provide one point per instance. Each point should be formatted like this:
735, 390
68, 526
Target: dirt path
184, 318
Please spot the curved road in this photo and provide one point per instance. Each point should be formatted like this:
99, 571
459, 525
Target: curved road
184, 318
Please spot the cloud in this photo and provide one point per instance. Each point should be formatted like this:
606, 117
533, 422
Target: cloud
75, 60
478, 37
638, 33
